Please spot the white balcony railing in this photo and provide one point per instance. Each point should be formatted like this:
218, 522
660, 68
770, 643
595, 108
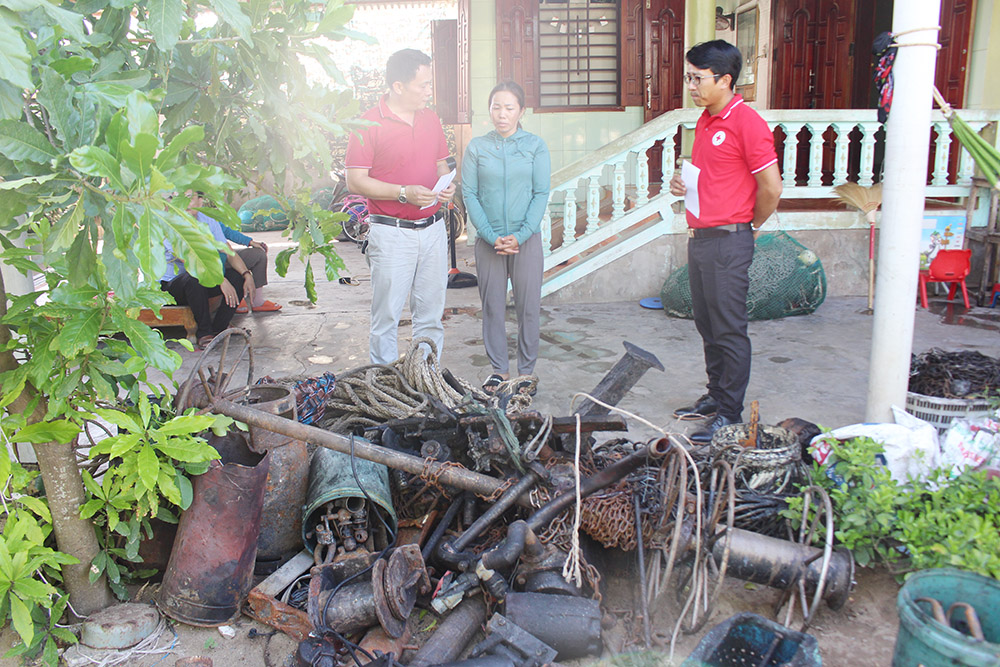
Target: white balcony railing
604, 206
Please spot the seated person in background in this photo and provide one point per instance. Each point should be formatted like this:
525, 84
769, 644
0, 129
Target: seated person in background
187, 291
255, 257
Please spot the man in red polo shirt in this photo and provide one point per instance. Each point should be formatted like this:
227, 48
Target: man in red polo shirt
737, 186
395, 163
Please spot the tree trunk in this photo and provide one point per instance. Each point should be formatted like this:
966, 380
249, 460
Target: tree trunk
65, 493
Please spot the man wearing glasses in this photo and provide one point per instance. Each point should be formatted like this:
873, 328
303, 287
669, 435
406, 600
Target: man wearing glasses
737, 186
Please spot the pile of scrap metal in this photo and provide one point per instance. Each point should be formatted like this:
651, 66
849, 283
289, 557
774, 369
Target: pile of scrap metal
470, 510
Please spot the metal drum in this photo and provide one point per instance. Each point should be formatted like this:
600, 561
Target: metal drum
333, 490
211, 565
287, 480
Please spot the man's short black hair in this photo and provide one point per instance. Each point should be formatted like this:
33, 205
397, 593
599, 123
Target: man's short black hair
403, 66
719, 56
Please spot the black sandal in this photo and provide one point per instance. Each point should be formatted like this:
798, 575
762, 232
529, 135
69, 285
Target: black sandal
492, 383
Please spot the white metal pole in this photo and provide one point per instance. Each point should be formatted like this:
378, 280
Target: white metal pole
904, 179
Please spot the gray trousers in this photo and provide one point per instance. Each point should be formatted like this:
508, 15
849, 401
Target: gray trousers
256, 261
525, 273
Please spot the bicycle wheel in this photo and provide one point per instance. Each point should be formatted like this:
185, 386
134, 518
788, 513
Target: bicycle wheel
356, 226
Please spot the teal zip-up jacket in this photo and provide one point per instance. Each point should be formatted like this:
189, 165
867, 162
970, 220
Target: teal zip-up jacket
505, 184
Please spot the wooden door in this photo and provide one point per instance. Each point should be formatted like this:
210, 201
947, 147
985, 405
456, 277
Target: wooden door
663, 56
813, 54
663, 68
953, 58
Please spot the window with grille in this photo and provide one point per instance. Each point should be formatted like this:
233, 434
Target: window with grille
578, 53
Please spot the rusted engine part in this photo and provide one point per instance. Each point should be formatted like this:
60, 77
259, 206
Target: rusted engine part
453, 551
620, 379
784, 564
265, 602
797, 567
336, 514
570, 625
453, 634
509, 640
386, 599
474, 440
211, 565
521, 535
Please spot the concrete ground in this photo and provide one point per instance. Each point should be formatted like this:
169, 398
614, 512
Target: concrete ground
813, 367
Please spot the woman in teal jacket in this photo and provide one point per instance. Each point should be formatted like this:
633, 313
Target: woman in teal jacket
505, 185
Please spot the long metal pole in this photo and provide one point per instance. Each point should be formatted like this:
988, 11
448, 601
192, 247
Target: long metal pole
460, 478
907, 140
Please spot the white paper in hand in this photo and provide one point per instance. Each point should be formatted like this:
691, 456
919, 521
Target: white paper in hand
443, 182
690, 175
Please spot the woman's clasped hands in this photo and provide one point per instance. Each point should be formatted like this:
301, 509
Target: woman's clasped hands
506, 245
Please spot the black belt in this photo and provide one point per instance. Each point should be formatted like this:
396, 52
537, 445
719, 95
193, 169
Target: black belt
718, 230
403, 223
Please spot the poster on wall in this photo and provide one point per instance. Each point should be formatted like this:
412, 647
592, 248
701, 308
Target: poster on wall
940, 232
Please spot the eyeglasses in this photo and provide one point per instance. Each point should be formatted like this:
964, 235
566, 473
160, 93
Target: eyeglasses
696, 79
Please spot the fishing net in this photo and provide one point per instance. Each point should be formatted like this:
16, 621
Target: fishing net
786, 278
263, 214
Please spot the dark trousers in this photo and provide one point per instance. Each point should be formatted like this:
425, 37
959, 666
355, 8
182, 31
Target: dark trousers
187, 291
718, 271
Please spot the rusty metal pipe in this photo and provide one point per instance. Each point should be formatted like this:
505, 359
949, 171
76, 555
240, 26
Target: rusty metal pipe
779, 563
459, 478
502, 504
620, 379
454, 633
594, 483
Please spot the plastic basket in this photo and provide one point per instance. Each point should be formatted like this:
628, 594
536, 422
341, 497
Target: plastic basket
943, 411
750, 639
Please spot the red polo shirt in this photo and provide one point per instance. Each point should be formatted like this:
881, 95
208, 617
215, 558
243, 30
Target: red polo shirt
729, 148
394, 151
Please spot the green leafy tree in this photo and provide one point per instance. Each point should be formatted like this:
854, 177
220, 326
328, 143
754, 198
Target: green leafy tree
107, 108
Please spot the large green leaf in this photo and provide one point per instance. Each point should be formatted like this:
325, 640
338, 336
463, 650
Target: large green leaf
139, 155
30, 180
66, 229
193, 243
114, 94
120, 419
186, 425
164, 22
336, 15
82, 259
188, 451
79, 333
149, 245
95, 161
15, 63
231, 13
141, 116
189, 135
11, 102
148, 344
70, 22
149, 467
21, 618
57, 97
73, 64
59, 430
19, 141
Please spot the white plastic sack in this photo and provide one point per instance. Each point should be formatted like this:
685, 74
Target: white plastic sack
910, 445
971, 443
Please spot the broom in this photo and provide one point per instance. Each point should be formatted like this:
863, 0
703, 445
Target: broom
866, 200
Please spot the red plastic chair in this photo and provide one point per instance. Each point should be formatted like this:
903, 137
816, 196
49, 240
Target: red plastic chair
948, 266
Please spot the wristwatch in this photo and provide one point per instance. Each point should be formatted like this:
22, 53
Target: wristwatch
402, 194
